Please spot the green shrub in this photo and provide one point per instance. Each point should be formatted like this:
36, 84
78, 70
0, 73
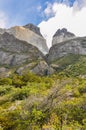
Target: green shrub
20, 94
76, 92
82, 89
4, 89
30, 77
17, 81
5, 81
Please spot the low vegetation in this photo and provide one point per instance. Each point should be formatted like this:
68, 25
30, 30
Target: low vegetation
55, 102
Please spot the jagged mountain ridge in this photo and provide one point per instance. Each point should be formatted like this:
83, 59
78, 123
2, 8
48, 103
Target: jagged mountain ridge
29, 33
17, 52
20, 56
73, 46
62, 35
29, 101
33, 28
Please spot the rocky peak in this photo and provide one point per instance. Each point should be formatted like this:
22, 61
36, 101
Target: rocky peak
33, 28
62, 35
29, 33
29, 36
75, 46
15, 52
64, 32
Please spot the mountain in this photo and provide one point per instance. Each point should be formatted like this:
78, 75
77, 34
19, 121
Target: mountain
29, 33
15, 53
33, 28
62, 35
74, 45
21, 48
20, 56
42, 92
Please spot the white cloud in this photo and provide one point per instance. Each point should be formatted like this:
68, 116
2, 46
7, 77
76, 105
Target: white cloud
3, 20
48, 12
72, 18
80, 4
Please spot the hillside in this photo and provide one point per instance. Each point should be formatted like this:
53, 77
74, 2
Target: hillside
73, 65
31, 102
39, 92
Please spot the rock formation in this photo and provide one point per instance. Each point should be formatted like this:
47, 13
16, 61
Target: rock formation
16, 52
30, 34
33, 28
72, 46
42, 68
62, 35
20, 56
21, 50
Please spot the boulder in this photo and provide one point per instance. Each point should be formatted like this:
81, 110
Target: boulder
42, 68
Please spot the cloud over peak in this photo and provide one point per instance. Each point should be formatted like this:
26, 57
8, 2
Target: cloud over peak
73, 18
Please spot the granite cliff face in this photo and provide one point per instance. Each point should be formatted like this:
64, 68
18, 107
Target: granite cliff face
20, 56
62, 35
30, 34
15, 52
73, 46
65, 43
21, 49
33, 28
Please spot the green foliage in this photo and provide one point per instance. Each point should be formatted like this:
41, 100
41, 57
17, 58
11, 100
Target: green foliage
19, 94
5, 89
72, 65
17, 81
32, 102
30, 77
5, 81
38, 116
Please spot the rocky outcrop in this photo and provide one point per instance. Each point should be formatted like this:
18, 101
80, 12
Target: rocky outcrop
15, 52
29, 36
42, 68
21, 57
4, 72
62, 35
73, 46
29, 33
24, 69
33, 28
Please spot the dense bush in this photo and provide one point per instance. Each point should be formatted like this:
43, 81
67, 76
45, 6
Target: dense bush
5, 89
19, 94
30, 102
5, 81
17, 81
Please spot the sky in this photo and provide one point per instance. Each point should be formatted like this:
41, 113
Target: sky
49, 15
